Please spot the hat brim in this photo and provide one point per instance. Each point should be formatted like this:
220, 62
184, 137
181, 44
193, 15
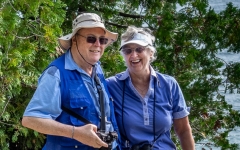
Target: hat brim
65, 41
139, 42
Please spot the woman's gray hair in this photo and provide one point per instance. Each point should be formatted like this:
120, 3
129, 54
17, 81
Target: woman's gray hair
129, 34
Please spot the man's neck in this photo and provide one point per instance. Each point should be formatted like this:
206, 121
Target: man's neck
88, 68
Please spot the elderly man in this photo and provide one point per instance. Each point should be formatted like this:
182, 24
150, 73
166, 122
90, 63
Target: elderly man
76, 83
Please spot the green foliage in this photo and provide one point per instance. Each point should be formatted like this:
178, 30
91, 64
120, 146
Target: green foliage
187, 42
29, 31
232, 72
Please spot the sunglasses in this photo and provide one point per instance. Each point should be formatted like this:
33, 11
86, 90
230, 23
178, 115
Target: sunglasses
128, 51
92, 39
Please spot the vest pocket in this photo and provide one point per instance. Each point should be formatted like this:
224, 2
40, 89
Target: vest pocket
81, 107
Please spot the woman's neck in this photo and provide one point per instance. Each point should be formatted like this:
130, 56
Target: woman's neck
141, 82
140, 77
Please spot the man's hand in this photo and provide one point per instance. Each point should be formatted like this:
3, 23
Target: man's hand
87, 135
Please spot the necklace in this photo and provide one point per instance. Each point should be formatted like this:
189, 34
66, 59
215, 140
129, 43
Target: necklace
141, 91
141, 87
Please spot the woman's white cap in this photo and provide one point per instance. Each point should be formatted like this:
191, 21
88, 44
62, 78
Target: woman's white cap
137, 38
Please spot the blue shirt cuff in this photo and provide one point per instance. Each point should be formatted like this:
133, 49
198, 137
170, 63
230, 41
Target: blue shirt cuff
181, 114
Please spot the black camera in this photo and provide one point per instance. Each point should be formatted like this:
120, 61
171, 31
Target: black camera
108, 138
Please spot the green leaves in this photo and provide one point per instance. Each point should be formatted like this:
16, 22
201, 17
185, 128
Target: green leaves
187, 42
232, 72
28, 41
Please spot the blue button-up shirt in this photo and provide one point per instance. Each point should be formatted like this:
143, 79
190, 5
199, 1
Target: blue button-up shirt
135, 114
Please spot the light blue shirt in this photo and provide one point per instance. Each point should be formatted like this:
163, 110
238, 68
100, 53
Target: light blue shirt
135, 114
46, 101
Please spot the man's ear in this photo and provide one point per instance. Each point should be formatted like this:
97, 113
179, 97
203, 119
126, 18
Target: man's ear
74, 39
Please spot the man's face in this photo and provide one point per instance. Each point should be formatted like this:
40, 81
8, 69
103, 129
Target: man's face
90, 49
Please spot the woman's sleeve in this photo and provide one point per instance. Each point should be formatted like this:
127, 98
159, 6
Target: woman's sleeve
180, 109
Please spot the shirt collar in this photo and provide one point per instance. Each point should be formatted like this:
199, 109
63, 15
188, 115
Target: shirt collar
71, 65
126, 74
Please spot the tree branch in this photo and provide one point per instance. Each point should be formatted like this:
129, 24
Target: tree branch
117, 25
5, 107
130, 15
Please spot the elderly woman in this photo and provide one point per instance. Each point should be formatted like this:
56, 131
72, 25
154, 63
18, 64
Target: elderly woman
147, 102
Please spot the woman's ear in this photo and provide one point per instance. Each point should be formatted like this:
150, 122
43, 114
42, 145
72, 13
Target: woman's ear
151, 53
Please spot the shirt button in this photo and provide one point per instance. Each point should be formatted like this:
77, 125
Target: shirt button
76, 146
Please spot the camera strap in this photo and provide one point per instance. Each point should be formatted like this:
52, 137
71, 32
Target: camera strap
72, 113
101, 101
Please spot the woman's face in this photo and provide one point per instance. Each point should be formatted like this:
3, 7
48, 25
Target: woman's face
137, 57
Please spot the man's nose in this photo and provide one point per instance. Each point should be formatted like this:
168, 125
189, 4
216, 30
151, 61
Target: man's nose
97, 43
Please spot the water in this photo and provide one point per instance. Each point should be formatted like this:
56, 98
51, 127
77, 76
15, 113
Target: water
233, 99
219, 5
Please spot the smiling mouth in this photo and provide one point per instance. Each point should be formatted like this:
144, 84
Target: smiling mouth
135, 61
95, 51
